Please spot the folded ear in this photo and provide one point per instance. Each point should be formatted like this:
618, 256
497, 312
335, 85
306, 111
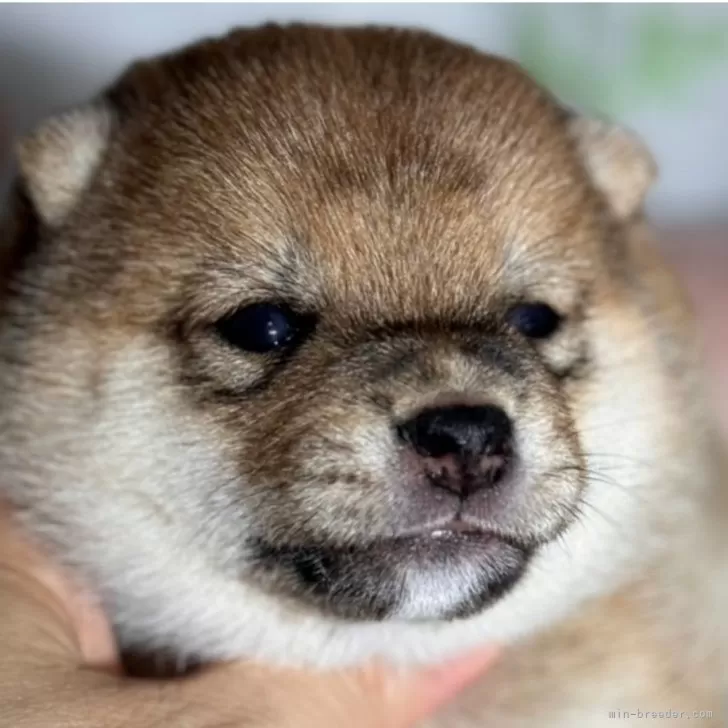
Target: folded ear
619, 164
59, 159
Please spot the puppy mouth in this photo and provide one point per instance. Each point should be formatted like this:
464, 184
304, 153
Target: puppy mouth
450, 571
430, 546
454, 528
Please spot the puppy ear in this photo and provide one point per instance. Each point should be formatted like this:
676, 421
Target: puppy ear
59, 159
619, 164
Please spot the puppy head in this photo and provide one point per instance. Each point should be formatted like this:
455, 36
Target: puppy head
319, 334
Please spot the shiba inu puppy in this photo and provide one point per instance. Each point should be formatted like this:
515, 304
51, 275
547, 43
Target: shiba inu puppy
321, 345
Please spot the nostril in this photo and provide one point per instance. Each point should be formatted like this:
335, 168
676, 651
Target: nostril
437, 444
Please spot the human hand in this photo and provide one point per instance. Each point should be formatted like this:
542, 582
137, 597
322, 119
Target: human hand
58, 666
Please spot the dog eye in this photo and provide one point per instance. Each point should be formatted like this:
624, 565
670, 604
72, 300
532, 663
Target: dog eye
260, 328
534, 320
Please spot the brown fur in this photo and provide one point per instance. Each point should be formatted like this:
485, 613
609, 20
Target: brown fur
408, 192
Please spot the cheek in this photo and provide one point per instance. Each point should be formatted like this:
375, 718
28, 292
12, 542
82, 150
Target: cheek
126, 475
549, 476
337, 467
625, 414
327, 436
361, 446
546, 437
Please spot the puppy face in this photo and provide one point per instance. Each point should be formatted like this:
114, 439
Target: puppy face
313, 336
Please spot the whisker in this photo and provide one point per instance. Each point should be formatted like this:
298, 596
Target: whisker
592, 476
619, 527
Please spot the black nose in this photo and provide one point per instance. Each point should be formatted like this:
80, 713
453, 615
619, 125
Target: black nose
463, 431
467, 447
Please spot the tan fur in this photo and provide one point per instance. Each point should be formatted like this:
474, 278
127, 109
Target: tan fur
58, 161
617, 163
408, 192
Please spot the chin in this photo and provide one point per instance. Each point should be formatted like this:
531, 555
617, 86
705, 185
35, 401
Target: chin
445, 574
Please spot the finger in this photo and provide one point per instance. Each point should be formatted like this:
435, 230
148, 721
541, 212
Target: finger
419, 695
95, 637
38, 595
372, 697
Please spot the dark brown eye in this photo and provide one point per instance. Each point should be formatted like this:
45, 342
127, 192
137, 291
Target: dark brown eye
261, 328
534, 320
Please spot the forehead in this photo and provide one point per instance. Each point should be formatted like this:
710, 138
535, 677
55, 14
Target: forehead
370, 175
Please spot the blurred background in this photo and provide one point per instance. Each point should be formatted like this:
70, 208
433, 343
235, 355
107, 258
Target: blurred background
661, 69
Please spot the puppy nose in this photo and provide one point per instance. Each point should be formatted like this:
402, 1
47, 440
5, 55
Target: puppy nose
463, 431
465, 448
